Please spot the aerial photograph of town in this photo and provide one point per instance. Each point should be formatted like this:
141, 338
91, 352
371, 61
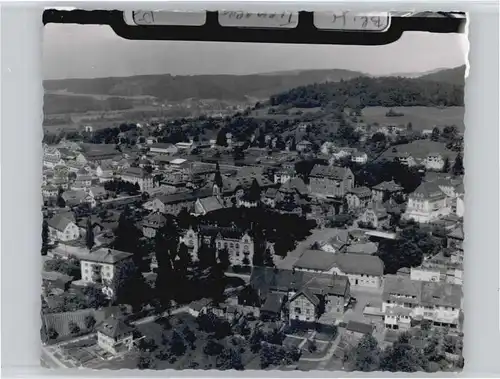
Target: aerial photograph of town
232, 206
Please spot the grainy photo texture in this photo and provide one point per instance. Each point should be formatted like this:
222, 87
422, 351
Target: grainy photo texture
252, 206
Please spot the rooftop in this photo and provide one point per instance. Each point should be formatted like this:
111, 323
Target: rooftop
105, 255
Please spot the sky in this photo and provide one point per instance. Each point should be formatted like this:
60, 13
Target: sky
88, 51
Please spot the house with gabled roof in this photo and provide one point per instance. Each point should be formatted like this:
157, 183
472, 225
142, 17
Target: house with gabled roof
105, 267
152, 223
63, 229
427, 203
115, 336
438, 302
206, 205
330, 181
358, 197
385, 191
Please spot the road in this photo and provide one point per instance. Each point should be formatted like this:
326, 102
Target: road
292, 257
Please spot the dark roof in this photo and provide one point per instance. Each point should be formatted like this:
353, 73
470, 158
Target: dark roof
391, 186
59, 222
361, 191
359, 264
428, 190
155, 220
308, 294
457, 233
105, 255
332, 172
267, 279
114, 327
136, 172
441, 294
210, 204
184, 196
273, 303
316, 260
360, 327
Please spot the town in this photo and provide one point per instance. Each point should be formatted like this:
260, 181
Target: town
287, 236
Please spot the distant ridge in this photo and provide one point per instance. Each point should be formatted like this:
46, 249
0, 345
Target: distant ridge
221, 87
452, 76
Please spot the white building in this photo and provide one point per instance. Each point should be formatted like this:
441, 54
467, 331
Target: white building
434, 161
427, 203
104, 266
114, 336
359, 158
163, 148
438, 302
139, 176
63, 229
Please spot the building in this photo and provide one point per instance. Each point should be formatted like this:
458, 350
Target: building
77, 197
105, 267
239, 243
207, 205
63, 229
386, 191
455, 241
175, 202
363, 271
152, 223
427, 203
331, 181
358, 197
115, 336
310, 295
374, 216
303, 146
356, 330
283, 175
163, 148
139, 176
359, 158
438, 302
434, 161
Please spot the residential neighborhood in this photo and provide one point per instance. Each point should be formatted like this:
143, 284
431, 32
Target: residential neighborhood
318, 227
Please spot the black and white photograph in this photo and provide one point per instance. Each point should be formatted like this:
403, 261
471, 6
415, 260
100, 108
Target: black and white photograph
253, 206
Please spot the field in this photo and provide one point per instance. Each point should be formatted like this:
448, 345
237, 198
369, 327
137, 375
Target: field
420, 117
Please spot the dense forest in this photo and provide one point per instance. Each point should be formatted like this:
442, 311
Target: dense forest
178, 88
365, 91
58, 104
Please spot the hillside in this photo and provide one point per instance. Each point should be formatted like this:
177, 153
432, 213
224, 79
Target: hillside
368, 91
454, 76
178, 88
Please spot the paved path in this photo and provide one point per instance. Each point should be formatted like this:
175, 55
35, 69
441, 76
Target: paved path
328, 355
292, 257
145, 320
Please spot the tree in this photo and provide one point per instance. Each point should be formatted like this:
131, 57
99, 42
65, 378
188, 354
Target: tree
189, 336
446, 165
177, 345
61, 203
207, 255
127, 235
52, 333
89, 321
402, 357
183, 260
95, 297
73, 328
223, 256
435, 134
409, 127
89, 237
45, 237
268, 258
221, 139
218, 177
458, 165
366, 355
229, 359
130, 287
213, 348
